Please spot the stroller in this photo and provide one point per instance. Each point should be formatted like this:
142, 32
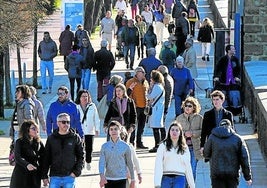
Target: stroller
233, 101
119, 54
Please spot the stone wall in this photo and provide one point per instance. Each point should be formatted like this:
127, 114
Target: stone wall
255, 29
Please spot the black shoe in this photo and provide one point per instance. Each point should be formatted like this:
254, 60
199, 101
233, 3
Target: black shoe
153, 150
44, 92
141, 147
208, 57
127, 66
203, 58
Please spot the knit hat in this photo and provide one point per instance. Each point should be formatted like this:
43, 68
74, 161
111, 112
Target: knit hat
189, 41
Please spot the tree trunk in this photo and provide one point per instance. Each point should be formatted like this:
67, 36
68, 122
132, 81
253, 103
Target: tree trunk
34, 66
2, 109
19, 65
9, 99
97, 12
88, 16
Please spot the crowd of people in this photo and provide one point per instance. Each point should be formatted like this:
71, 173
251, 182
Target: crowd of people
72, 123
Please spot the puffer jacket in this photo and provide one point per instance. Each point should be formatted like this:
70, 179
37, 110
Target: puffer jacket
73, 65
150, 40
63, 155
25, 110
227, 153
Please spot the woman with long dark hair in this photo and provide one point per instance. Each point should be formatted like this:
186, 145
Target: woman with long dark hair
90, 122
172, 163
29, 151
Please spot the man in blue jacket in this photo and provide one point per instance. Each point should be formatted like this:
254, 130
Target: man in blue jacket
63, 105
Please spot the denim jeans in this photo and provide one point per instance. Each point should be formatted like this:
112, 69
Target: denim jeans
86, 76
178, 103
126, 49
172, 182
194, 162
62, 182
49, 65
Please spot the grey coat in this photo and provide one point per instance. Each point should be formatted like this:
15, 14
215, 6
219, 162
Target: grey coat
73, 65
190, 61
39, 114
25, 110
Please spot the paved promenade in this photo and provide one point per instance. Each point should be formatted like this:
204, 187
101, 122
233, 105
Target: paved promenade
91, 178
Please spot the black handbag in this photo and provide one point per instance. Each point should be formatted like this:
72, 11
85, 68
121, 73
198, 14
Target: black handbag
149, 108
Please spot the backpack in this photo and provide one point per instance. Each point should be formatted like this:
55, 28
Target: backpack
192, 13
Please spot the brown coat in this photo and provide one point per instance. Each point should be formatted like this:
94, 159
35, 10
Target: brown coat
194, 123
66, 40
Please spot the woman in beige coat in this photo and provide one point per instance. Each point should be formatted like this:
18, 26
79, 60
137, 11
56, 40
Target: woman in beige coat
191, 122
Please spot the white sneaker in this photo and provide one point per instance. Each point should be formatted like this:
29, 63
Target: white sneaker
88, 166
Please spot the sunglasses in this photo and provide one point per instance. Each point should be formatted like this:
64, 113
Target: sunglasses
65, 122
61, 94
33, 128
188, 105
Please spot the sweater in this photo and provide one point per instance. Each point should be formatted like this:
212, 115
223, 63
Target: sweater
169, 162
114, 159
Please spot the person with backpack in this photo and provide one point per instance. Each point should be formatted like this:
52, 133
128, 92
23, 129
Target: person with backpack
193, 16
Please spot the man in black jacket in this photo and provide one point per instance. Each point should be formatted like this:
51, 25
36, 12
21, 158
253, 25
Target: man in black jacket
104, 63
64, 155
227, 152
213, 117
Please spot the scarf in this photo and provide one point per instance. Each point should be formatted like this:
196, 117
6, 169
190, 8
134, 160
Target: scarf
122, 106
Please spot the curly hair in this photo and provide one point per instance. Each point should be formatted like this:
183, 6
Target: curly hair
194, 102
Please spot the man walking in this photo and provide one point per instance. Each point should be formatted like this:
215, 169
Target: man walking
47, 50
63, 105
107, 30
227, 152
64, 155
137, 88
104, 63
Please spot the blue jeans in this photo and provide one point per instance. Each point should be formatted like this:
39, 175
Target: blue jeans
178, 103
49, 65
126, 49
172, 182
193, 162
86, 76
62, 182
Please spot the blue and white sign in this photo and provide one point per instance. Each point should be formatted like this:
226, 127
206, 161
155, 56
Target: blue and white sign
72, 13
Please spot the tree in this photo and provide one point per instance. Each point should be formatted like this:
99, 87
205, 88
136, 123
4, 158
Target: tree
92, 13
16, 19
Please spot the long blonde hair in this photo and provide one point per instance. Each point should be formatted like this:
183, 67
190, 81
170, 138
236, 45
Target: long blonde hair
207, 22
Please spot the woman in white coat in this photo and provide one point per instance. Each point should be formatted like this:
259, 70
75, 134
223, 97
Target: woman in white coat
90, 122
156, 98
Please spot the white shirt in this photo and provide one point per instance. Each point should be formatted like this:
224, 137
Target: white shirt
148, 16
169, 162
120, 5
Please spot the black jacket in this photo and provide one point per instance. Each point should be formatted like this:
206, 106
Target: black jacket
104, 63
227, 153
129, 115
27, 153
209, 122
206, 34
221, 68
63, 155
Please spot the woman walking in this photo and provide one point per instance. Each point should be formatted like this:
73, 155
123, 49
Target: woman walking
172, 165
191, 122
90, 122
156, 98
206, 36
29, 151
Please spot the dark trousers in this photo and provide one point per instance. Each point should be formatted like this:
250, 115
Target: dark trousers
89, 141
116, 184
180, 43
159, 135
78, 82
224, 181
140, 49
102, 88
192, 28
141, 120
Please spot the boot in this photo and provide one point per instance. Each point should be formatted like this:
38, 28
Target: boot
131, 65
